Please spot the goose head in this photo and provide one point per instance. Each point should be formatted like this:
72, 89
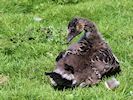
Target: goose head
78, 25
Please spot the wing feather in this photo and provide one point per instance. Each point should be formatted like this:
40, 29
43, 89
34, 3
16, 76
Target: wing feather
105, 62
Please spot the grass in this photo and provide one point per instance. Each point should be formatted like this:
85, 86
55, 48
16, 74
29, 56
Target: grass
28, 48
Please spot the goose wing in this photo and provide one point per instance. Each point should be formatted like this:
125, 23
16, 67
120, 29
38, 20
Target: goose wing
105, 62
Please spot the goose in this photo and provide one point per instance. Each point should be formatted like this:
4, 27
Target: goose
86, 62
92, 44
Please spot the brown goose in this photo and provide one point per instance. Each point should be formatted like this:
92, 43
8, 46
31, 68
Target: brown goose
85, 62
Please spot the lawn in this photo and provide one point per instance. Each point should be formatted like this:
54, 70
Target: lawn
28, 47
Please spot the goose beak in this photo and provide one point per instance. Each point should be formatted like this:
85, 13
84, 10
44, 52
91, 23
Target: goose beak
69, 38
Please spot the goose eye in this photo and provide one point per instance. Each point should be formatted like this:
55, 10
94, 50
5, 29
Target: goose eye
72, 30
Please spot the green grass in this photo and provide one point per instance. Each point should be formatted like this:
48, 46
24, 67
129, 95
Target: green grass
29, 48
